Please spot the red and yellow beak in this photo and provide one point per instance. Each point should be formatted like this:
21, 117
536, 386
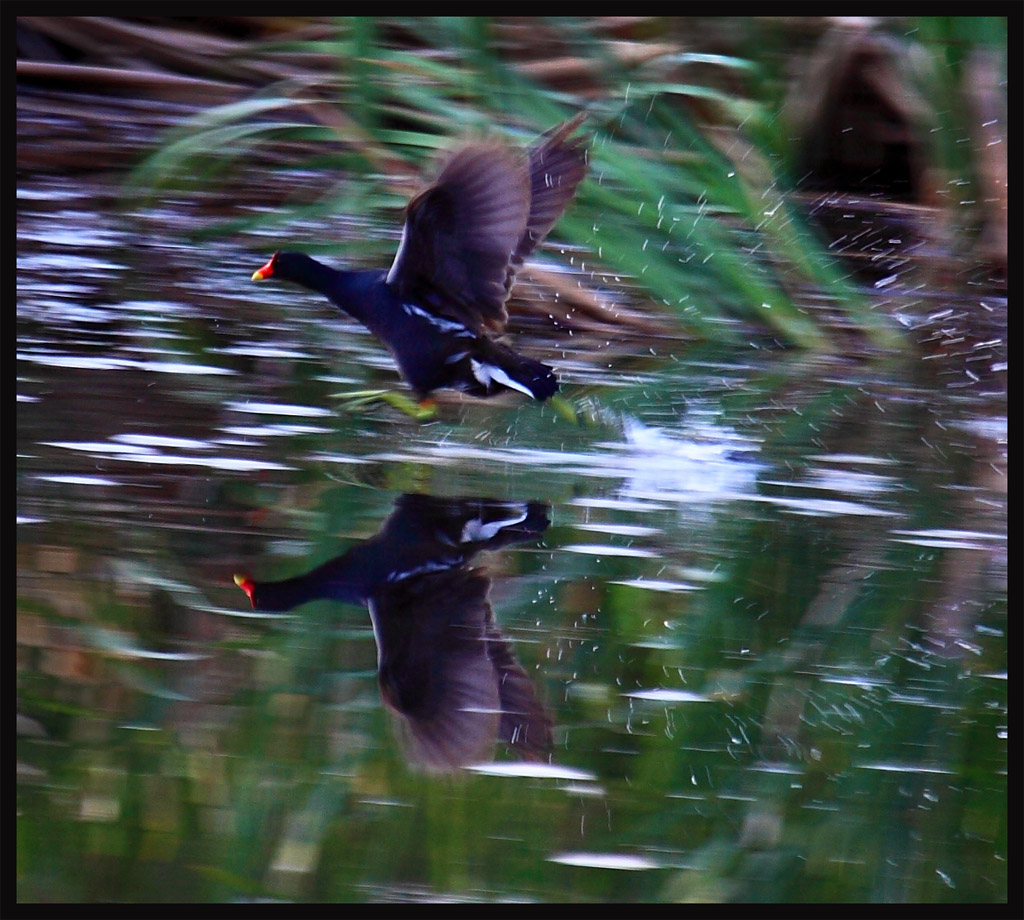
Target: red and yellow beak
246, 583
262, 273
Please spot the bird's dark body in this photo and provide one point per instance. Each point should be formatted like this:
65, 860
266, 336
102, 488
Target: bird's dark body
464, 238
432, 352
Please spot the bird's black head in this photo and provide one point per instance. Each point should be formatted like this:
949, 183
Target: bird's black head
285, 266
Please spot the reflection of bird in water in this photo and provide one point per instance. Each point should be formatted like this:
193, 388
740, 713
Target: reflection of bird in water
443, 665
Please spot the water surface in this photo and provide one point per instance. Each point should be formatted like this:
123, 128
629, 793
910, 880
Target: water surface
766, 620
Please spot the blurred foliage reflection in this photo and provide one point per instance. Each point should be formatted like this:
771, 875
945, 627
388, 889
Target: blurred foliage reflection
759, 592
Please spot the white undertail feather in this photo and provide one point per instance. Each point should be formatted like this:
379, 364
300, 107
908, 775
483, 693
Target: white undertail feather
485, 373
476, 531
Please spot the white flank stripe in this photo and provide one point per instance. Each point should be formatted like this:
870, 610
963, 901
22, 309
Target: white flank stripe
445, 325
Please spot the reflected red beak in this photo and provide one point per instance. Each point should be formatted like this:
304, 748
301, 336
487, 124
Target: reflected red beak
247, 584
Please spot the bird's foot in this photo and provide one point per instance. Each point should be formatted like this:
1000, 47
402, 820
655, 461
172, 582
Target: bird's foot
423, 410
563, 408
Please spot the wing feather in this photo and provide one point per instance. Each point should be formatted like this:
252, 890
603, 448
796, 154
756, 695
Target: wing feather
467, 234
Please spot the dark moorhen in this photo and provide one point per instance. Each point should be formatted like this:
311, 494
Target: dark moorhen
443, 666
465, 237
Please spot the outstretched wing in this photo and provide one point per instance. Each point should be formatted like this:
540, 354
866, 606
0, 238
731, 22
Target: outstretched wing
558, 163
460, 234
467, 234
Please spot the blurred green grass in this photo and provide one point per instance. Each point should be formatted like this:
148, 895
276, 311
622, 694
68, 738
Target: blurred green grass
697, 216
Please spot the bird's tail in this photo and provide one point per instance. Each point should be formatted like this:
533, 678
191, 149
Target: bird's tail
504, 367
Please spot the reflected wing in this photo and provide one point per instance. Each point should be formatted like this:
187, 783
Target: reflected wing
525, 725
433, 667
447, 671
